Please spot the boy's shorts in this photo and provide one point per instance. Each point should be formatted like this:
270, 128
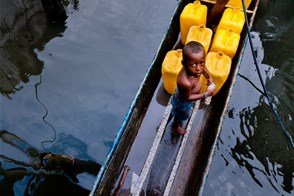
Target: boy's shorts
181, 108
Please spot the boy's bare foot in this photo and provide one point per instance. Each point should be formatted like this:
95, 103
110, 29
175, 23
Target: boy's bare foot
180, 130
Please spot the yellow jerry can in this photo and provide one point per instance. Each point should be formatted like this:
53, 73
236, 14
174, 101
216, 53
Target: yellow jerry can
219, 66
226, 41
170, 69
238, 3
193, 14
200, 34
232, 18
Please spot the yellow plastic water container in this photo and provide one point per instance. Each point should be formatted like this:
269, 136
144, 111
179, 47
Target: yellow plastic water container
170, 69
226, 41
200, 34
232, 18
238, 3
219, 66
193, 14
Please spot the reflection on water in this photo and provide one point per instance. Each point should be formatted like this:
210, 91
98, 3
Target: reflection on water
21, 35
253, 156
45, 115
262, 143
71, 82
36, 174
23, 30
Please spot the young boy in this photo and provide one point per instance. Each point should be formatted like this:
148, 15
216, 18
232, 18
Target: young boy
188, 84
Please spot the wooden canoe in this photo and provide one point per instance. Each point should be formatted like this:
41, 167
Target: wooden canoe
148, 117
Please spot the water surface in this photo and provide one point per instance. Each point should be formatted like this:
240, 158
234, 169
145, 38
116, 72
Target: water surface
253, 156
88, 70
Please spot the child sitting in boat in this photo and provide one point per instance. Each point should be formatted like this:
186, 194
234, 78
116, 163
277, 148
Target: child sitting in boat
189, 85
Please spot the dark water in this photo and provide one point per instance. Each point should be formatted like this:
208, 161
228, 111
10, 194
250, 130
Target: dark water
72, 84
253, 156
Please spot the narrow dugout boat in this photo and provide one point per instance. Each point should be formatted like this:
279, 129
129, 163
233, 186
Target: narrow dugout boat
147, 158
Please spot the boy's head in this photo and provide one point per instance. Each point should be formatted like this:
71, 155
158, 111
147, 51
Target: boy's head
194, 58
192, 47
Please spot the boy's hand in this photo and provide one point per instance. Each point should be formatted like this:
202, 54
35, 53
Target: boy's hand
210, 89
209, 81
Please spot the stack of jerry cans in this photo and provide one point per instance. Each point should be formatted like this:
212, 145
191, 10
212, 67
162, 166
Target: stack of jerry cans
227, 35
224, 45
193, 14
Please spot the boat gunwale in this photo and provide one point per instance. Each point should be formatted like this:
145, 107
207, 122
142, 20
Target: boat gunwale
240, 58
226, 92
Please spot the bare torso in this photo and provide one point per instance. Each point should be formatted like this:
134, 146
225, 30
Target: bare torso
188, 85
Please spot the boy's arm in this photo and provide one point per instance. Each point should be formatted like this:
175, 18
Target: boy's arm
207, 76
186, 94
211, 87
